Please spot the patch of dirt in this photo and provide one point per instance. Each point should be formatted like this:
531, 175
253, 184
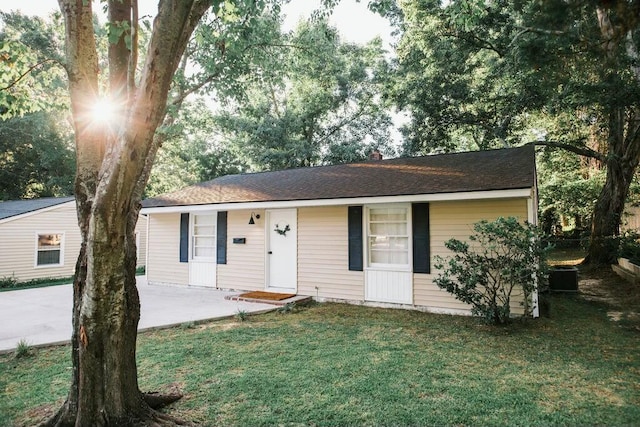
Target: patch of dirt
601, 284
38, 415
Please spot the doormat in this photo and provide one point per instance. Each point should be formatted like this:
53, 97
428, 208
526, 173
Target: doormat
266, 295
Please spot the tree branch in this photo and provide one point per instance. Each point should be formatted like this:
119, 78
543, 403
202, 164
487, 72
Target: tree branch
542, 31
360, 112
517, 36
33, 67
211, 77
582, 151
477, 41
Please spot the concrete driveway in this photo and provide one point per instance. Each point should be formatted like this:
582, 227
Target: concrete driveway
42, 316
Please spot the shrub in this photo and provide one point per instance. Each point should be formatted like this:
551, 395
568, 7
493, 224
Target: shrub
13, 283
505, 258
628, 246
8, 282
23, 349
289, 307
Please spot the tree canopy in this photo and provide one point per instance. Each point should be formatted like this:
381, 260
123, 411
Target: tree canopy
36, 157
479, 75
316, 101
36, 149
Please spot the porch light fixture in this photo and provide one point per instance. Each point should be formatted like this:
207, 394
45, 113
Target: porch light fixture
254, 216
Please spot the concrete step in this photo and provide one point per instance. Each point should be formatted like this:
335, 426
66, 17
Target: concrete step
298, 300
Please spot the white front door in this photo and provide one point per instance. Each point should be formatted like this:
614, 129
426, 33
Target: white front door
282, 249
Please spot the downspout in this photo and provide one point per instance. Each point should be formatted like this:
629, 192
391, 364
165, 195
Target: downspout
146, 250
532, 207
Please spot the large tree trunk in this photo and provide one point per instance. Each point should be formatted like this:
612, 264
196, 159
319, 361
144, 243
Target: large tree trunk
616, 28
622, 162
113, 165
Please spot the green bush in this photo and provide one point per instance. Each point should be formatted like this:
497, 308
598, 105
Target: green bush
289, 307
23, 349
8, 282
504, 258
242, 315
628, 246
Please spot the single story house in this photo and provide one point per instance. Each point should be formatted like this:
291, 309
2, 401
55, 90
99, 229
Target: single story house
41, 238
364, 232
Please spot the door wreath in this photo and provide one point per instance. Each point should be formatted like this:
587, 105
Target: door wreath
282, 231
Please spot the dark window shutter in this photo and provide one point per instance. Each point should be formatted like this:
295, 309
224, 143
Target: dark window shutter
221, 238
421, 250
184, 237
355, 238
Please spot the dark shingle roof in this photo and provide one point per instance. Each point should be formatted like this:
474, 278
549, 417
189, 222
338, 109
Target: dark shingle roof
511, 168
18, 207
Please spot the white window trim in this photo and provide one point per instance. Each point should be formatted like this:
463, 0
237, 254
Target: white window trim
137, 239
365, 224
192, 236
35, 258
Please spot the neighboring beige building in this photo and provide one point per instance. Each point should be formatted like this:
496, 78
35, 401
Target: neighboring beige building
41, 238
364, 233
631, 219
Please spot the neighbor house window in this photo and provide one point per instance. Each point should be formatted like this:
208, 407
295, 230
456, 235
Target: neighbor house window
49, 249
388, 236
204, 236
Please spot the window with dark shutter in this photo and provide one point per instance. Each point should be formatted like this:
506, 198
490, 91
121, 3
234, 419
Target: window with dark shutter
421, 249
184, 237
355, 238
221, 238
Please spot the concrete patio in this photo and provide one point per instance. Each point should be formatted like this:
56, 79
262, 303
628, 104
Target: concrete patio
42, 316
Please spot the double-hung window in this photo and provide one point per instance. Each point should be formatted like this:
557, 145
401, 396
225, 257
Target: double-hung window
204, 236
388, 237
49, 249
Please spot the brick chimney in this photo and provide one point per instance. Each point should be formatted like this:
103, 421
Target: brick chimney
375, 155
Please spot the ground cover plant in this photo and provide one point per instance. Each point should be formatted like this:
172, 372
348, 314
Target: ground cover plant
10, 283
335, 364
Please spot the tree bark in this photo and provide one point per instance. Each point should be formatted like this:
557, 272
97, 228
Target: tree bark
113, 164
623, 136
622, 163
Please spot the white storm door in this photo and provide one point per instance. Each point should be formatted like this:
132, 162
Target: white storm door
388, 276
282, 249
202, 265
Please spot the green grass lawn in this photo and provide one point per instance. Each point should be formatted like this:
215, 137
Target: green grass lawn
334, 364
566, 256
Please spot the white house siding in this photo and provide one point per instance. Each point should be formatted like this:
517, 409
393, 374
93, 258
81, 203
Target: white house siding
323, 255
456, 219
164, 264
18, 248
245, 267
